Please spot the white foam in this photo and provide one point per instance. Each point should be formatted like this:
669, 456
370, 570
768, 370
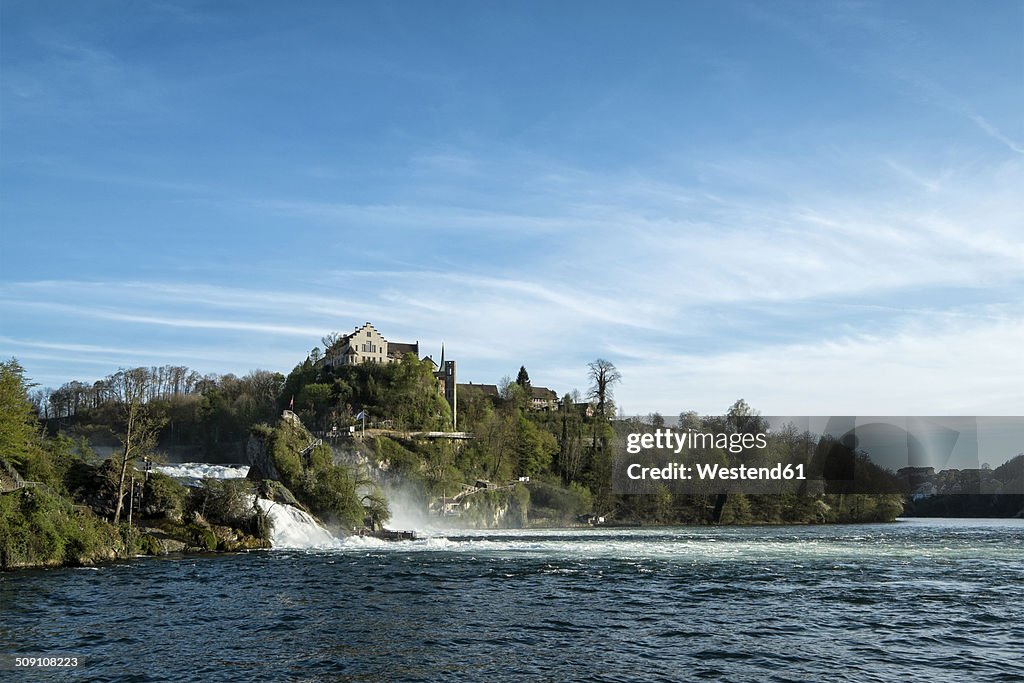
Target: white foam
203, 470
362, 542
294, 528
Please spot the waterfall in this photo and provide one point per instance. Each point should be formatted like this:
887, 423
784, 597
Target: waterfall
193, 472
294, 528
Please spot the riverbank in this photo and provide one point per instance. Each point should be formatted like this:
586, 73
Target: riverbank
39, 528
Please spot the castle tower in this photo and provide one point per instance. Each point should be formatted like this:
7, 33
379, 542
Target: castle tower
446, 375
450, 391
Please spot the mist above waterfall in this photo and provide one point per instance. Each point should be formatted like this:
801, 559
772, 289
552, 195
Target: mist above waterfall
409, 512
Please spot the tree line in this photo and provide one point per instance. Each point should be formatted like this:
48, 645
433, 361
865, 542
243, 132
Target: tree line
62, 504
161, 382
210, 413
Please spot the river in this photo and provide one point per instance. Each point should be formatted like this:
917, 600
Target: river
937, 600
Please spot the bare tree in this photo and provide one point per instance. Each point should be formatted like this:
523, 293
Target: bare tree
505, 385
329, 340
603, 375
130, 389
264, 385
570, 442
41, 400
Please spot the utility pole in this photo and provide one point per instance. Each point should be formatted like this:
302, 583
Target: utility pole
131, 501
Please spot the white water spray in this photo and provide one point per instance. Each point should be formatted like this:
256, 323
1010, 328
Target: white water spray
202, 470
409, 513
294, 528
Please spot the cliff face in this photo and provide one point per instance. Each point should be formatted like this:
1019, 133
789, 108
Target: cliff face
351, 455
261, 462
496, 509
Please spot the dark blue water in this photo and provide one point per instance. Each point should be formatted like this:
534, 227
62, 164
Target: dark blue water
917, 600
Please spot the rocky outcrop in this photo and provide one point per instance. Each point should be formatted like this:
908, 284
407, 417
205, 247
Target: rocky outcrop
505, 508
232, 540
279, 493
261, 462
166, 544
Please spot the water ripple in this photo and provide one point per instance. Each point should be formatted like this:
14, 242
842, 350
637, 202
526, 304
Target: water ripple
931, 600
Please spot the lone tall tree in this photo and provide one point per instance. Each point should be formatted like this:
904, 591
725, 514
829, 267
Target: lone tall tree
603, 375
140, 428
523, 378
18, 426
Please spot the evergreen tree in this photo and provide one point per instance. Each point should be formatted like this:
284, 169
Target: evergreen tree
18, 428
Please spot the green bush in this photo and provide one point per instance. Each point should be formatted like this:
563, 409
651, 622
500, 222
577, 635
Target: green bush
163, 496
202, 537
262, 430
40, 528
285, 445
395, 458
230, 503
558, 503
148, 545
226, 502
331, 494
262, 524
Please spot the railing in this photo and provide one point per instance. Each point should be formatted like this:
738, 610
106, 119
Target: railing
12, 474
309, 449
400, 433
20, 483
468, 490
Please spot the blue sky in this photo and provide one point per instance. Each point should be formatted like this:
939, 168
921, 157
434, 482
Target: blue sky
813, 206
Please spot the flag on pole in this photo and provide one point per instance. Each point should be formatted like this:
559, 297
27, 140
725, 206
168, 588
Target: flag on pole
361, 415
291, 404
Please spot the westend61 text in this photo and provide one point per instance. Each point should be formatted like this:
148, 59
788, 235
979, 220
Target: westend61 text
705, 472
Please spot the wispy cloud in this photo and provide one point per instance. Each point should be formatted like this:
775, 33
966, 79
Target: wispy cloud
716, 224
718, 280
995, 133
117, 356
938, 94
165, 321
439, 220
889, 49
933, 365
